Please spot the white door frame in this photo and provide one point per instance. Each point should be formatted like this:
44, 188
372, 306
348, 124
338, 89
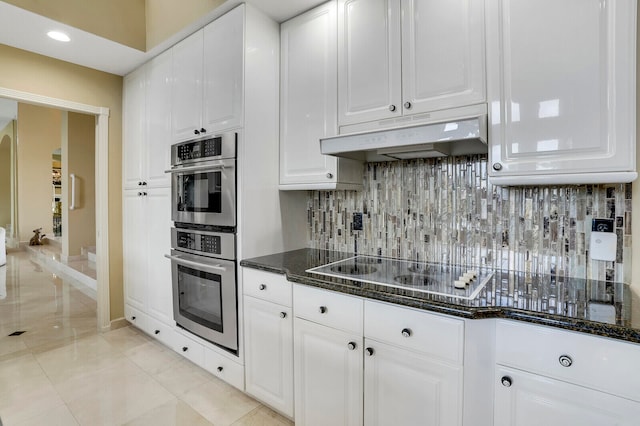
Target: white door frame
102, 188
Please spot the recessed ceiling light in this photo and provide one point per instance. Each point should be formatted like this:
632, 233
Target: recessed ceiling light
57, 35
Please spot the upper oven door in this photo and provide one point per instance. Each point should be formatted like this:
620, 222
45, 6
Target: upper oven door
205, 193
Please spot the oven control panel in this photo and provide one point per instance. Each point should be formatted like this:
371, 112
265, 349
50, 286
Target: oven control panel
199, 149
214, 244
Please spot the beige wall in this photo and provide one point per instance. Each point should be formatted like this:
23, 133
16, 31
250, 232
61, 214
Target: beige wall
79, 225
122, 21
37, 74
38, 135
167, 17
6, 139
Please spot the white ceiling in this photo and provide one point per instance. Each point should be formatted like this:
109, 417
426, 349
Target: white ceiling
27, 31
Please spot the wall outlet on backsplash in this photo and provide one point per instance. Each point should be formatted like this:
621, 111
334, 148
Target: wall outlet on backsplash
603, 240
357, 221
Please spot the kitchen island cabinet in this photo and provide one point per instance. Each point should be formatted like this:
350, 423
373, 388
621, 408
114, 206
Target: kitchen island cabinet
409, 58
561, 90
308, 104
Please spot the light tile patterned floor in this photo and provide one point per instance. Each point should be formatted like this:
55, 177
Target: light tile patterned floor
62, 372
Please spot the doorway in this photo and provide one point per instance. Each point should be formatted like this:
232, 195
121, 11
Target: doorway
101, 115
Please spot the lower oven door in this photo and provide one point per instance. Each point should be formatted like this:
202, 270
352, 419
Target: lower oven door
205, 297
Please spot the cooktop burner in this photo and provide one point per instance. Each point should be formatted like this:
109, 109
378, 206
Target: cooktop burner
445, 280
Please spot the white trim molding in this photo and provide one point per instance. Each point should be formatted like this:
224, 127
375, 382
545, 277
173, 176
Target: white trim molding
102, 189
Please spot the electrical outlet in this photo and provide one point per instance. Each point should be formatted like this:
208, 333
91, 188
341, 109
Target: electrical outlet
357, 221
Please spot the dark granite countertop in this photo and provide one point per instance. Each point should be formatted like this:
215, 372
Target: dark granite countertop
589, 306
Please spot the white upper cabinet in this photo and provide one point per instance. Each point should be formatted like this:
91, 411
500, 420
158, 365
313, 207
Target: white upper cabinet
308, 103
561, 90
408, 57
208, 78
147, 124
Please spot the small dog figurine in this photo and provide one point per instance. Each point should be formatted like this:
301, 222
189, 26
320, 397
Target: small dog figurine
36, 240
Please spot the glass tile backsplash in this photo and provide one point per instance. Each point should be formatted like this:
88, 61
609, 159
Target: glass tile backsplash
445, 210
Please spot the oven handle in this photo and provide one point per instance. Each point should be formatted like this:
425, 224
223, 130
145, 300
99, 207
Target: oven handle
196, 168
184, 262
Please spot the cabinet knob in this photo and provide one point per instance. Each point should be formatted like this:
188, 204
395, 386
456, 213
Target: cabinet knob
406, 332
139, 183
196, 132
565, 360
497, 167
185, 348
133, 318
369, 351
407, 105
203, 130
144, 183
506, 381
283, 314
322, 309
262, 287
352, 346
156, 332
392, 108
144, 194
329, 175
220, 369
139, 194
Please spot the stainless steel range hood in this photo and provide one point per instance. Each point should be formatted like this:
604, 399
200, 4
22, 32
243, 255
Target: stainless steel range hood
454, 137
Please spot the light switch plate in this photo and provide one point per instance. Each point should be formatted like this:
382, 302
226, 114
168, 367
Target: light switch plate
603, 246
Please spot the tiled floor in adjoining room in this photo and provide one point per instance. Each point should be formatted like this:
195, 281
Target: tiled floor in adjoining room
60, 371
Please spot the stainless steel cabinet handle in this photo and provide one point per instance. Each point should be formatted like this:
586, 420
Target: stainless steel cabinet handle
262, 287
283, 314
392, 108
506, 381
352, 346
178, 259
196, 168
322, 309
497, 167
565, 360
406, 332
407, 105
370, 351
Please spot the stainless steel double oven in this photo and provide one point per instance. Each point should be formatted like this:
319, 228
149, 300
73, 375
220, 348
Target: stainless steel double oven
203, 240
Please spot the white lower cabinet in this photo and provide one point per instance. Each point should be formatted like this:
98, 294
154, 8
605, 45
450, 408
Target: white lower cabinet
268, 334
546, 376
403, 387
525, 399
328, 375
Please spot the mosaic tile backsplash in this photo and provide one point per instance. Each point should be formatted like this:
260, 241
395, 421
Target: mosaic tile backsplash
445, 210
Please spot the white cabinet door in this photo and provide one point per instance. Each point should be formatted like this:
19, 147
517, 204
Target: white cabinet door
157, 223
134, 255
328, 375
407, 388
268, 336
158, 119
133, 135
533, 400
187, 91
561, 89
223, 72
308, 96
442, 54
369, 60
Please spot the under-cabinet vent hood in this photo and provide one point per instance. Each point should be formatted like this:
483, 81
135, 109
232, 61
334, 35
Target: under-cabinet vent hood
459, 137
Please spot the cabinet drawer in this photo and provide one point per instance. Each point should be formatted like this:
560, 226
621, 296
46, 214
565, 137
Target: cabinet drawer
599, 363
224, 368
436, 335
135, 317
189, 348
161, 331
267, 286
328, 308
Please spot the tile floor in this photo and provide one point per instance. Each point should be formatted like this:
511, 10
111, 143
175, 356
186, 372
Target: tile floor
60, 371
